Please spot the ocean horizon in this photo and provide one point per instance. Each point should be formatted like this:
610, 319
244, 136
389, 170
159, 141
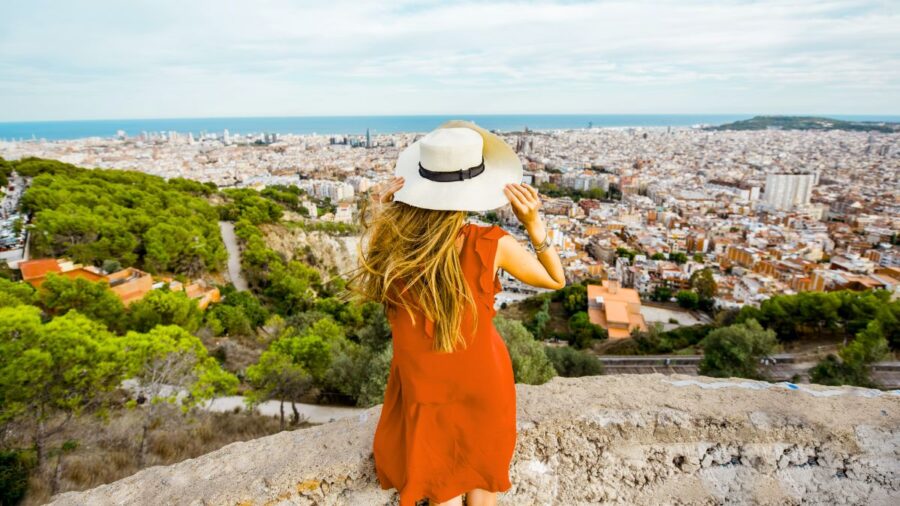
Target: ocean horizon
358, 125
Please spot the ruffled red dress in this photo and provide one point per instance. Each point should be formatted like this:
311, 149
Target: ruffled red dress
448, 424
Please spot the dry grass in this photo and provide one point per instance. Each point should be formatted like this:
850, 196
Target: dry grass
107, 451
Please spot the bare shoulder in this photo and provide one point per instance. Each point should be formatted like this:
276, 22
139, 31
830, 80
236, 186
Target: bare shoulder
507, 248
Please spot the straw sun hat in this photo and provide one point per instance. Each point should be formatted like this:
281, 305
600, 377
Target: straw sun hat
459, 166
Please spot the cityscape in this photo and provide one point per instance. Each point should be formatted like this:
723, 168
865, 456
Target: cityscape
773, 211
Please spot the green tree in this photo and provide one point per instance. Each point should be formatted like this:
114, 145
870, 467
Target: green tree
583, 333
183, 185
249, 304
703, 283
575, 298
346, 314
530, 362
171, 366
856, 358
687, 299
230, 320
811, 314
164, 307
736, 350
16, 293
678, 257
538, 324
246, 203
573, 363
626, 253
361, 373
111, 265
655, 341
314, 348
832, 371
93, 216
661, 294
173, 248
292, 287
276, 376
59, 368
59, 295
888, 316
375, 332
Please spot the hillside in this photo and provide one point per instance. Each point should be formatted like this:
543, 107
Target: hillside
631, 439
807, 123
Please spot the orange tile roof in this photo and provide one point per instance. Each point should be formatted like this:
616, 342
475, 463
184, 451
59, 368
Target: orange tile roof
128, 284
616, 312
622, 309
615, 333
33, 269
82, 273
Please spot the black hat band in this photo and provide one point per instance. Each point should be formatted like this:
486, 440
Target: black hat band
455, 175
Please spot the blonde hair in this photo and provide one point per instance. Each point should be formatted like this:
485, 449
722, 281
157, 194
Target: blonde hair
415, 248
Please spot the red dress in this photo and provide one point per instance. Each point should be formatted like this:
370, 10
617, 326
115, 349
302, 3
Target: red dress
448, 424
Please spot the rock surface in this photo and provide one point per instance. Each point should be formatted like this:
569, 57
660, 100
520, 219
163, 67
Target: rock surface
626, 439
326, 251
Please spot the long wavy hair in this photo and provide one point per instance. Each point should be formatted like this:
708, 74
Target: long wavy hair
408, 261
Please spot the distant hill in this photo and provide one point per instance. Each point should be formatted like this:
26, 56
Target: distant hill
807, 123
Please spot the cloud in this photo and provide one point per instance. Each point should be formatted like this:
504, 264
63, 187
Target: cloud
125, 59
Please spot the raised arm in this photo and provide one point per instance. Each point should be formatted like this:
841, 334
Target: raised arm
544, 270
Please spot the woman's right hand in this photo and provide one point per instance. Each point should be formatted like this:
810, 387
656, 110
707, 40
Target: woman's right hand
383, 196
544, 270
525, 202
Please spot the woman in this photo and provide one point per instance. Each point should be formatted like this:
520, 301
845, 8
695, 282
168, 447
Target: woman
448, 424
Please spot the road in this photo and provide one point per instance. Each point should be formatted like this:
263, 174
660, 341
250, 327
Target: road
312, 413
234, 256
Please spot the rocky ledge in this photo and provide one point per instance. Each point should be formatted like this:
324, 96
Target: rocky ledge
622, 439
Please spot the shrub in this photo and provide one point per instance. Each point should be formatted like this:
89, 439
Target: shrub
688, 299
14, 470
572, 363
736, 350
530, 363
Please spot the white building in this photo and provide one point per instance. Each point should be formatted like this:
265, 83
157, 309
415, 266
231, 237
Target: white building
344, 212
787, 191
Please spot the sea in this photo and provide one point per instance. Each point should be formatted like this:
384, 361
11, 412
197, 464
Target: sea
358, 125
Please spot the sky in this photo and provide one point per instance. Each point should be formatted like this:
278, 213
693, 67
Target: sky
89, 59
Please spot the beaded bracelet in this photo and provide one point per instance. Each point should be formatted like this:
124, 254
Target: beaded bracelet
538, 249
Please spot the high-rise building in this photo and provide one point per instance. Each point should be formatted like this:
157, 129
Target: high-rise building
787, 191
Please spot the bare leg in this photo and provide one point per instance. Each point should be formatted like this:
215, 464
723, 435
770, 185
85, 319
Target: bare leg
456, 501
481, 497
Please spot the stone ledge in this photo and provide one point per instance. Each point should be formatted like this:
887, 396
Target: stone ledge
618, 439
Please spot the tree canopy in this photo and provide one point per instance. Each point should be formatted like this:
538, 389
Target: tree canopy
95, 215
